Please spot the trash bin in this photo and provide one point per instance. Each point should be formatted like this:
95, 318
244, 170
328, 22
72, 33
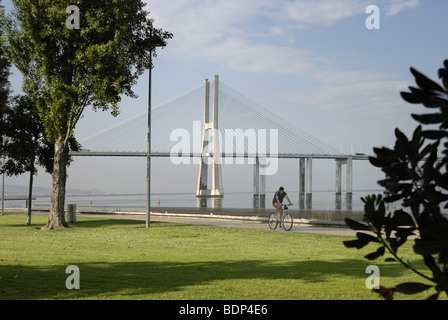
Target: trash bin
71, 212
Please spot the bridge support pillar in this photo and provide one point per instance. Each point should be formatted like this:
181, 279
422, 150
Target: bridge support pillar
259, 198
349, 176
338, 181
210, 130
309, 182
349, 181
305, 183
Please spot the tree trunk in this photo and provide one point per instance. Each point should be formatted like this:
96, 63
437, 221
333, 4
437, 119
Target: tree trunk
56, 217
30, 193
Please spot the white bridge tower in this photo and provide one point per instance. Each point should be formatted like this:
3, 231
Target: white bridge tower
210, 132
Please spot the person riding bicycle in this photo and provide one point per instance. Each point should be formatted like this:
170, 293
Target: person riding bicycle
278, 201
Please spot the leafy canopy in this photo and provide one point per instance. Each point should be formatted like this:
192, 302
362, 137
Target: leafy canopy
65, 70
417, 175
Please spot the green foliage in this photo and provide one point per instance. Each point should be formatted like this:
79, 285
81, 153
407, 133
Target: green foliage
417, 175
24, 136
5, 65
26, 141
66, 70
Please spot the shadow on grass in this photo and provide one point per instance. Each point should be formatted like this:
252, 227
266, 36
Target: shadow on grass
149, 279
155, 280
98, 223
88, 222
104, 222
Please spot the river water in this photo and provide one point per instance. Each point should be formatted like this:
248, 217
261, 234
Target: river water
321, 200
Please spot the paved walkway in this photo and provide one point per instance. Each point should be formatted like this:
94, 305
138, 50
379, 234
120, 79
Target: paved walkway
300, 225
225, 222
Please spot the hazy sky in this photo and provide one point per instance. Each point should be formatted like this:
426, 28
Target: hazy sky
313, 62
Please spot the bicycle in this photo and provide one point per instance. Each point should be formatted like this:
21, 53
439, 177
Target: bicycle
286, 221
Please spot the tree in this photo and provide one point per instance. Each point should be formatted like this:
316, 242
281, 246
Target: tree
4, 87
4, 94
5, 65
23, 140
66, 70
417, 175
26, 143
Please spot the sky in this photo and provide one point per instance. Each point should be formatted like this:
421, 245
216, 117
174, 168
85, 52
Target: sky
314, 63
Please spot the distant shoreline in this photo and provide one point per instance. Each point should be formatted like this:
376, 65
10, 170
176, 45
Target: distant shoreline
41, 192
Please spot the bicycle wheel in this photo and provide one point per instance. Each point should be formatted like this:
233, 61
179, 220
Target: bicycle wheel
287, 221
273, 222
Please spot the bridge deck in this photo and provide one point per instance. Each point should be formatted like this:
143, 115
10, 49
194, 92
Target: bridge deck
198, 155
16, 198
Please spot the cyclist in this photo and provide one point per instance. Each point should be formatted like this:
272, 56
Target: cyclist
278, 200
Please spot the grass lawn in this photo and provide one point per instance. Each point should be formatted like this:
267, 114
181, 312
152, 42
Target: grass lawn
121, 259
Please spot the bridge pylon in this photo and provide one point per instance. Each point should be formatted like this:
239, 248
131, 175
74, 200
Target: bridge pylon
210, 132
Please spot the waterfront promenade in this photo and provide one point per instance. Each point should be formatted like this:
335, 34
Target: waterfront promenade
326, 227
243, 218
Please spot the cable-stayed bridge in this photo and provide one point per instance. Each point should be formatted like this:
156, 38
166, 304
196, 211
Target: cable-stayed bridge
235, 130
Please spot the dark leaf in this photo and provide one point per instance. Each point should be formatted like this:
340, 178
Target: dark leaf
417, 138
431, 264
412, 287
434, 134
358, 244
389, 184
427, 98
356, 225
400, 135
390, 260
434, 296
425, 82
404, 232
394, 197
431, 118
380, 163
397, 187
428, 247
385, 152
442, 285
443, 74
376, 254
394, 244
424, 152
414, 97
401, 218
402, 145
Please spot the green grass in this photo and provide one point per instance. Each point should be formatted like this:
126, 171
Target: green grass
121, 259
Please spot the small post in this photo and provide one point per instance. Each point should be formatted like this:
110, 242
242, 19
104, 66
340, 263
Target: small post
3, 180
301, 183
262, 190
